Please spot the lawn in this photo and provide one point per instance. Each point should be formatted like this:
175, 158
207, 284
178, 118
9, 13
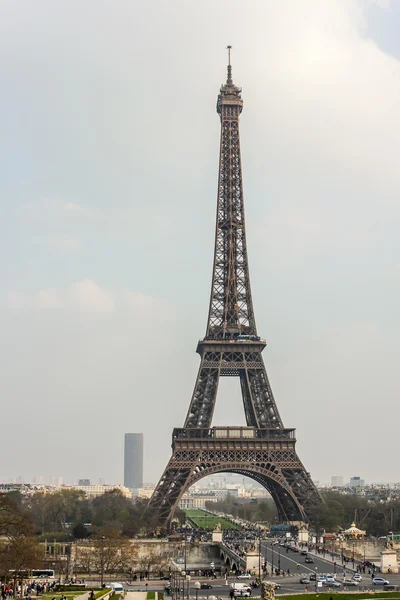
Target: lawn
202, 519
57, 595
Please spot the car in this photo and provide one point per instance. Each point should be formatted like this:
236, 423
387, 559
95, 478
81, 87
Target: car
380, 581
165, 577
304, 553
350, 582
391, 587
242, 593
275, 542
205, 586
244, 576
304, 580
309, 560
321, 578
276, 585
332, 583
329, 577
313, 577
357, 577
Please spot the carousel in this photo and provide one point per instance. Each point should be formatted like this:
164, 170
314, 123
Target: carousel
353, 533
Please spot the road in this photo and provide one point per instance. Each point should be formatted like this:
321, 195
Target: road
289, 585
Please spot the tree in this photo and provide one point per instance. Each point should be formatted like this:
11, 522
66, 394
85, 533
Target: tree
20, 554
107, 554
13, 520
112, 507
80, 532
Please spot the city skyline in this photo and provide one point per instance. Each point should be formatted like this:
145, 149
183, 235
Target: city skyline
108, 207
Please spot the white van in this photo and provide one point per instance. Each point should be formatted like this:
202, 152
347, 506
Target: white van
117, 587
240, 586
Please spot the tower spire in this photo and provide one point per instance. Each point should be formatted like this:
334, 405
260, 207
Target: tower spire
229, 80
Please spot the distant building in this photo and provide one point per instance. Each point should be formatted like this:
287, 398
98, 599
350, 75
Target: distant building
133, 460
92, 491
356, 482
84, 482
144, 492
337, 481
196, 501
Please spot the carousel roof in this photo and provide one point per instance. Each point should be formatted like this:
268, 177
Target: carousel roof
353, 529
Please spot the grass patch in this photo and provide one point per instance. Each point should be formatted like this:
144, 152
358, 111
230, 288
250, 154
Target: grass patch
101, 593
58, 594
151, 595
202, 519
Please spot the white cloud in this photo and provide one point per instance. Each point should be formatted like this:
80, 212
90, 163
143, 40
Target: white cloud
61, 242
83, 296
70, 208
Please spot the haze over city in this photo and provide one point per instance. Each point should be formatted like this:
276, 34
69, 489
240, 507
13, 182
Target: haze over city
108, 179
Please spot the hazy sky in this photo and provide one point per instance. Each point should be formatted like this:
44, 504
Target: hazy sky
108, 173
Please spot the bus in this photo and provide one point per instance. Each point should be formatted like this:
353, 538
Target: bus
34, 574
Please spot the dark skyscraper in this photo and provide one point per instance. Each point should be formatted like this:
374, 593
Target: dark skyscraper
133, 460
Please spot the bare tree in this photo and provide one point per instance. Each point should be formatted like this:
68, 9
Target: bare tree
20, 554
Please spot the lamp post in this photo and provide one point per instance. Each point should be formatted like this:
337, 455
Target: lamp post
316, 583
259, 553
272, 560
279, 559
197, 586
188, 584
102, 561
185, 549
182, 583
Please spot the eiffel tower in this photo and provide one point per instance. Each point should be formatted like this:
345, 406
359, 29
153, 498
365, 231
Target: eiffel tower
265, 449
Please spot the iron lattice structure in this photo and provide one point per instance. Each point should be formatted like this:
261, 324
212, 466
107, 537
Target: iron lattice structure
264, 450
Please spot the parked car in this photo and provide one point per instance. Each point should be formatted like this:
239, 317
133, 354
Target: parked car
205, 586
350, 582
332, 583
304, 580
309, 560
380, 581
304, 553
165, 577
391, 587
244, 576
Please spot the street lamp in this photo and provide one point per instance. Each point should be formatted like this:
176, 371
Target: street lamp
185, 549
272, 560
102, 561
182, 583
316, 569
197, 586
279, 559
188, 578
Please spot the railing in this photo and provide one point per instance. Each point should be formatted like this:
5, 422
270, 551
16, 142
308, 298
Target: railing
233, 433
251, 339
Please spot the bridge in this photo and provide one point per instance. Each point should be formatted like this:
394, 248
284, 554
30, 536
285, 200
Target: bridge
232, 560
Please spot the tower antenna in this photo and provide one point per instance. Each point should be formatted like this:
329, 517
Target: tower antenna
229, 78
